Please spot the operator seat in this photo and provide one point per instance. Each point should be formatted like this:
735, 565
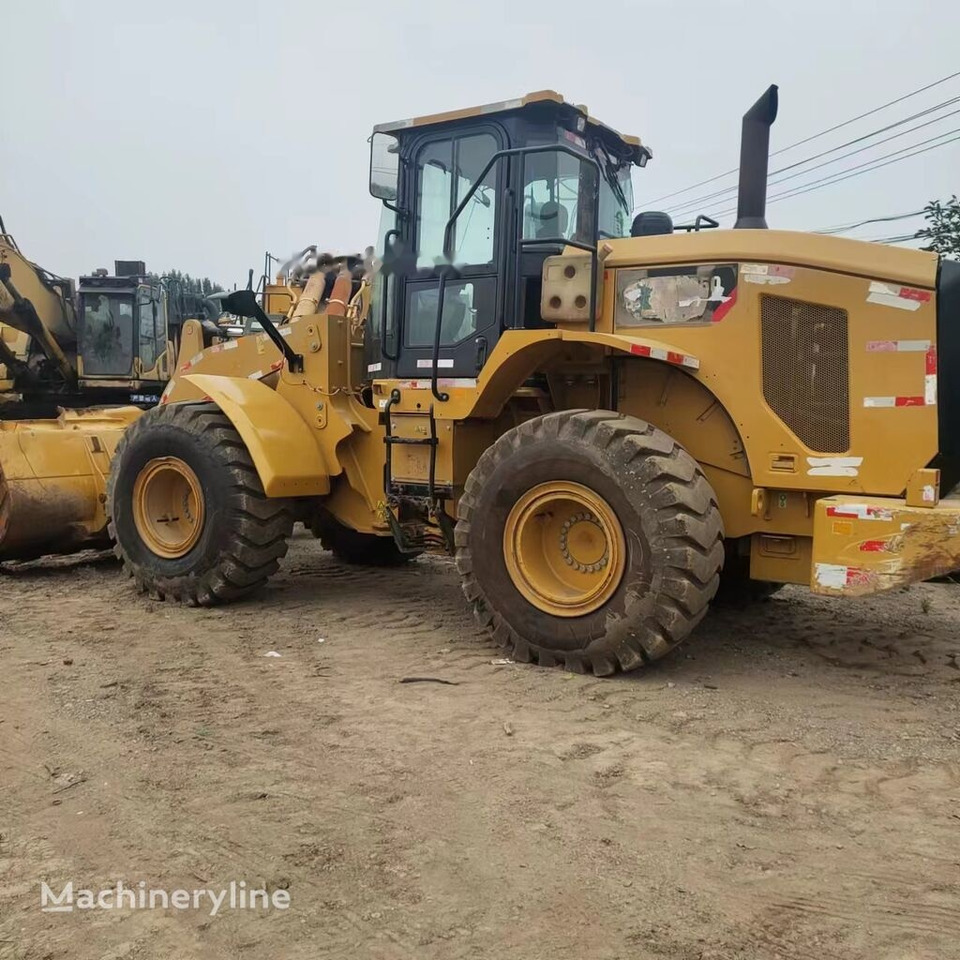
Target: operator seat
553, 219
651, 223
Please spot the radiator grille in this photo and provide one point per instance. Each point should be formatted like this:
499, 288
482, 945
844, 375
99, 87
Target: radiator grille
806, 374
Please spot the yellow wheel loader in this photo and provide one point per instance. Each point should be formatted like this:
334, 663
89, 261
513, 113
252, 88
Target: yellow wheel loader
602, 417
76, 367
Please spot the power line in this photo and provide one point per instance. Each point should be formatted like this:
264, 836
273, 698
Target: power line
843, 228
688, 205
901, 239
830, 181
845, 174
816, 136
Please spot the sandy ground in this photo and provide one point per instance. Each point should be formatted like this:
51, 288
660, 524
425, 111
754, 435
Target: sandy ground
786, 785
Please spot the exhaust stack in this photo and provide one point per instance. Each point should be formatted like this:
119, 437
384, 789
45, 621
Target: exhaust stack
754, 159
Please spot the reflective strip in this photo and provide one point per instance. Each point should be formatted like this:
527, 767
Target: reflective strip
836, 576
899, 401
860, 511
669, 356
893, 295
898, 346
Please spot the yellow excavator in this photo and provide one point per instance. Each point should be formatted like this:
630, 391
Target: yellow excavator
78, 363
596, 414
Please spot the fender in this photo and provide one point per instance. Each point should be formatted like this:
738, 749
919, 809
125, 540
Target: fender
638, 346
519, 353
284, 450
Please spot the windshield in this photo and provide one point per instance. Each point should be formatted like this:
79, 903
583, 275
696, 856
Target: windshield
616, 201
557, 197
107, 343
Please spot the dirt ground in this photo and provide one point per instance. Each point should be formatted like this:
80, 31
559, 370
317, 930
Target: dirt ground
785, 785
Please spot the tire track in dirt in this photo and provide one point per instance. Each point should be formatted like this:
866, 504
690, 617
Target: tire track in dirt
645, 813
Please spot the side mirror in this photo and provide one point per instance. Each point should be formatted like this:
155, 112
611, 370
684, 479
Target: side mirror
241, 303
384, 166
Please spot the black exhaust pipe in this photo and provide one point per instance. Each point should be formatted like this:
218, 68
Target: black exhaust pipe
754, 159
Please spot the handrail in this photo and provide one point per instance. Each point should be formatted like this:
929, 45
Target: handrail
522, 242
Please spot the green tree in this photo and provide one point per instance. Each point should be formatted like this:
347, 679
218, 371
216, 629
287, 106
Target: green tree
943, 227
202, 286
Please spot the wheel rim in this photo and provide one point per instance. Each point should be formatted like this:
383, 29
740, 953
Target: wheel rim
168, 507
564, 548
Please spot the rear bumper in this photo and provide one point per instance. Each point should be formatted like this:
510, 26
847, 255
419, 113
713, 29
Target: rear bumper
863, 545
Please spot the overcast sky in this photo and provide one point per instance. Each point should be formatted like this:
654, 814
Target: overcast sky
199, 134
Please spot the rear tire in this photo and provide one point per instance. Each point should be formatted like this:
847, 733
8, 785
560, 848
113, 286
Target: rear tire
640, 480
238, 534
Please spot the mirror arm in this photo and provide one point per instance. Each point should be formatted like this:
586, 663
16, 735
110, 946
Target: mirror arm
294, 360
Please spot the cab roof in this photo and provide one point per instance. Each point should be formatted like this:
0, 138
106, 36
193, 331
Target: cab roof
504, 106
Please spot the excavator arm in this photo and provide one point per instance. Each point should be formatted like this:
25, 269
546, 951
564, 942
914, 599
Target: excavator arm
40, 305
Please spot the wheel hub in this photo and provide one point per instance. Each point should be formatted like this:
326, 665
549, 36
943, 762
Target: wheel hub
564, 548
168, 507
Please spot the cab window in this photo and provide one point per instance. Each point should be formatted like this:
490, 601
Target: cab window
107, 348
446, 170
150, 310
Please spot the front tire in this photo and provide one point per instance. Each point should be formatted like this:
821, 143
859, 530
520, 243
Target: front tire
187, 510
589, 539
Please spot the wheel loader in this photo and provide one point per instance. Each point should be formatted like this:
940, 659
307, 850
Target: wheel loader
77, 365
600, 416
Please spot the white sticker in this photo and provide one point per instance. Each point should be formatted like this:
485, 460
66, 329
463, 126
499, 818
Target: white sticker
930, 389
764, 278
889, 296
831, 575
374, 367
879, 401
231, 345
834, 466
441, 363
929, 494
444, 382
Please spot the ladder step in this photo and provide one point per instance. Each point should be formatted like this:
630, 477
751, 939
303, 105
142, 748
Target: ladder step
423, 441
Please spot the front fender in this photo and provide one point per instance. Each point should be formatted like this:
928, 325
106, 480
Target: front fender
283, 447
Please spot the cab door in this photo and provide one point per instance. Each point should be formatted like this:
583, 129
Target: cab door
445, 169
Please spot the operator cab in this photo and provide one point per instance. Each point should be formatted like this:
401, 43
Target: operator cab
123, 324
128, 322
474, 203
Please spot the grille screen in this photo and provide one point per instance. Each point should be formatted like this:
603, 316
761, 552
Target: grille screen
806, 370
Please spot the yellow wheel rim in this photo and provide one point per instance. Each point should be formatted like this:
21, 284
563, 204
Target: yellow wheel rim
564, 548
168, 507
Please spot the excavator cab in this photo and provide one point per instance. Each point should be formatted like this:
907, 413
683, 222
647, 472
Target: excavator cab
123, 329
474, 204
